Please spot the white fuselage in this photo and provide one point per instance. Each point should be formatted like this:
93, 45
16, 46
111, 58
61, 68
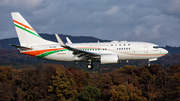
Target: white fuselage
125, 50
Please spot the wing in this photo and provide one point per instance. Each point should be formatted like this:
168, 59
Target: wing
68, 40
78, 54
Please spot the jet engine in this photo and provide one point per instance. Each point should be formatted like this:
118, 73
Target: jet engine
109, 59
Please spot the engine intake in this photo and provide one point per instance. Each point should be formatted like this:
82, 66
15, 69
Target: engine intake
109, 59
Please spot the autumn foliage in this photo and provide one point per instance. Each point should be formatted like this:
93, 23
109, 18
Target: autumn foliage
55, 82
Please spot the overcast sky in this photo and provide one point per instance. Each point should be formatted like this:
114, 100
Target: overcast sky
156, 21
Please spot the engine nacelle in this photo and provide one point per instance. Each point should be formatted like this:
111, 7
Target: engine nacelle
109, 59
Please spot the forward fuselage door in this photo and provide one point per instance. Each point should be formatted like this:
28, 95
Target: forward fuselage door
145, 48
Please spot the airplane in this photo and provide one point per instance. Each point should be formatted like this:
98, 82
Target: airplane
31, 43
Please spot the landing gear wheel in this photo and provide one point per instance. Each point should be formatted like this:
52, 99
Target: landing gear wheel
90, 66
149, 64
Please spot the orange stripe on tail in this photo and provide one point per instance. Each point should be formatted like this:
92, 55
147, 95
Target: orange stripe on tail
23, 25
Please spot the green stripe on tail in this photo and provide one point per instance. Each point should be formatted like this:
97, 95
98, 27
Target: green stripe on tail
27, 30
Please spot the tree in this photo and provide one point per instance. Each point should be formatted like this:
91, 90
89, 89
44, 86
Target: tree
6, 92
172, 88
6, 80
119, 93
126, 93
62, 87
80, 78
6, 74
32, 83
90, 93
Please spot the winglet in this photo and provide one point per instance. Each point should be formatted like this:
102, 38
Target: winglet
68, 40
61, 43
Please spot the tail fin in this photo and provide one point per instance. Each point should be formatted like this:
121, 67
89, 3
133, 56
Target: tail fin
26, 34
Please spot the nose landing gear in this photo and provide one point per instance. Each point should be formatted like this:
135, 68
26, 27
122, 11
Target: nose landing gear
90, 65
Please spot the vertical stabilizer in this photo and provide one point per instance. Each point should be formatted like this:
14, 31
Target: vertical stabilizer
26, 34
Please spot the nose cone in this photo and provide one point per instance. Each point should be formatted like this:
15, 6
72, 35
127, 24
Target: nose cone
164, 51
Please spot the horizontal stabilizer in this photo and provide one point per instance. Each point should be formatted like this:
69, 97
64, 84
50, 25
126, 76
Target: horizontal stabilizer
21, 47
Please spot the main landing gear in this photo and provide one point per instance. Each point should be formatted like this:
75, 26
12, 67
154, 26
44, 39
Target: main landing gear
149, 64
90, 65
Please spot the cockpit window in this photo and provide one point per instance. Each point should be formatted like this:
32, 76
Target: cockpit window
156, 47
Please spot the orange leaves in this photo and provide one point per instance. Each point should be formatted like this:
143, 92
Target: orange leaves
80, 78
126, 93
119, 93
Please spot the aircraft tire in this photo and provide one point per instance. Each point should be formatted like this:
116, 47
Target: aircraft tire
90, 66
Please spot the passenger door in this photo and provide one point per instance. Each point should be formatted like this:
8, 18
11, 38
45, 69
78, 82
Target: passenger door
145, 48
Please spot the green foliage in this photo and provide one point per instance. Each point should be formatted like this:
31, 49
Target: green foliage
62, 87
90, 93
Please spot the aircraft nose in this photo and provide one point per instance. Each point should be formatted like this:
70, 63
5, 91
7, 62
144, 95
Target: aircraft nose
164, 51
